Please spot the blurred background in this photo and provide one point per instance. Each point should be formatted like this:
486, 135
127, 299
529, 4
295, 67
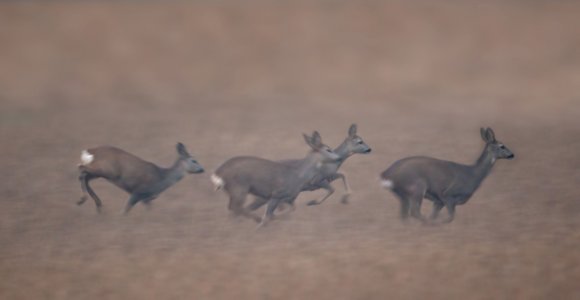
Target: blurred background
231, 78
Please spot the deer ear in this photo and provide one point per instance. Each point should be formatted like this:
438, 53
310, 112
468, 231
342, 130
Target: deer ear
352, 130
181, 149
482, 132
316, 139
307, 139
490, 135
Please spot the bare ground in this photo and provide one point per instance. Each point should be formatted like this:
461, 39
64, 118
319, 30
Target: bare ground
231, 78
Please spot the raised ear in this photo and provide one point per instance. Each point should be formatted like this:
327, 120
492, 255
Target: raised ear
181, 150
352, 130
308, 139
482, 132
490, 135
316, 139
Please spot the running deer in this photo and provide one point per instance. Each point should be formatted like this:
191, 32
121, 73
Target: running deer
143, 180
274, 181
329, 171
443, 182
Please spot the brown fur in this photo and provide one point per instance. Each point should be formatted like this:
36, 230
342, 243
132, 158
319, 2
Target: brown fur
143, 180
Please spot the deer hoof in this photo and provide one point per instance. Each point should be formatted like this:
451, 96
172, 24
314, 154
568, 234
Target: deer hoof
82, 200
344, 199
261, 224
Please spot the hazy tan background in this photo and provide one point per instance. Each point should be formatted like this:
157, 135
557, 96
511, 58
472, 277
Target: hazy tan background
238, 77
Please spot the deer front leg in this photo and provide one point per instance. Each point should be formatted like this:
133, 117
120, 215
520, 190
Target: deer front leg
329, 191
283, 210
450, 205
147, 202
346, 195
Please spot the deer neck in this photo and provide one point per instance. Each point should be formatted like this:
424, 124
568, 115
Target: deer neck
483, 165
171, 175
343, 151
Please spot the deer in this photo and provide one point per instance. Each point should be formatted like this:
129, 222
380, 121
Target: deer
445, 183
328, 173
271, 180
143, 180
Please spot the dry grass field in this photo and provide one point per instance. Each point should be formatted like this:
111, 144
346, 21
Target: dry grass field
228, 78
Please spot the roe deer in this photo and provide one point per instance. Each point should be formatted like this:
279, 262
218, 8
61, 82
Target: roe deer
329, 170
274, 181
443, 182
140, 178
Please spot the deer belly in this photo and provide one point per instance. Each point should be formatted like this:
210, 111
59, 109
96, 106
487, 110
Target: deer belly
460, 199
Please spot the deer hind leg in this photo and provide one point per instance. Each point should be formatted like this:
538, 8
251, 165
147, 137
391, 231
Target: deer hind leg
258, 202
236, 205
416, 193
84, 178
404, 204
134, 199
404, 211
437, 206
269, 214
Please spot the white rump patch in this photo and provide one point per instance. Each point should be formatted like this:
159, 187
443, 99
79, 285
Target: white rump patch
86, 158
388, 184
217, 181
